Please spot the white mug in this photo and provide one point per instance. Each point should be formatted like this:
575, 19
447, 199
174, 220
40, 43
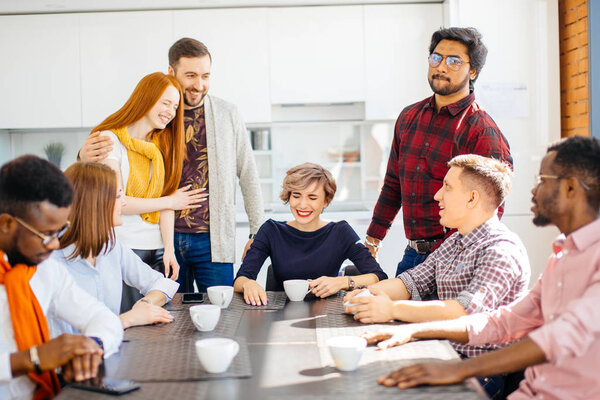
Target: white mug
216, 354
205, 316
346, 351
364, 293
220, 295
296, 289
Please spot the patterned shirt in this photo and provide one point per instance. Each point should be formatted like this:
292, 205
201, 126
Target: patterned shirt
424, 142
483, 270
195, 172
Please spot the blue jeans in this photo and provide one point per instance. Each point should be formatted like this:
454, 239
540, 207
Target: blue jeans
493, 385
193, 255
411, 259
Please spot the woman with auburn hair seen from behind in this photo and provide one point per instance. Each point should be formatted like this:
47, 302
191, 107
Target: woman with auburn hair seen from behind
306, 247
97, 261
148, 158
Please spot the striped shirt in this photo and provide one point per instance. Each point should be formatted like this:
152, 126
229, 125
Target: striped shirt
483, 270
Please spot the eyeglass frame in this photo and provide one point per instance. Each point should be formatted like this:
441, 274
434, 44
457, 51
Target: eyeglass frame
46, 239
537, 179
445, 59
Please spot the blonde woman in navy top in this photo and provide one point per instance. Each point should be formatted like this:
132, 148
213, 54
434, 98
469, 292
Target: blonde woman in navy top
306, 247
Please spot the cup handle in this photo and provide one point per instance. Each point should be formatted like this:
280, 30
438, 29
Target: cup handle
236, 349
196, 321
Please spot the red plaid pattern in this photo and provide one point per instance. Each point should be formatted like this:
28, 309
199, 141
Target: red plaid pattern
424, 142
483, 270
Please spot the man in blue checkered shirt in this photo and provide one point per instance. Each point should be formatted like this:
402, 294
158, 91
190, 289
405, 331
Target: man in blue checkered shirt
479, 268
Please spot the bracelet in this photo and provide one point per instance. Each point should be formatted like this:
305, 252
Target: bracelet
251, 236
377, 246
98, 341
35, 360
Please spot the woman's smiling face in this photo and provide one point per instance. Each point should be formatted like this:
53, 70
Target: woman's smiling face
307, 205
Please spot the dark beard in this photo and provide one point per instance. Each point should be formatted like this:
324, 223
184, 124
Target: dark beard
185, 101
15, 257
450, 89
548, 204
541, 220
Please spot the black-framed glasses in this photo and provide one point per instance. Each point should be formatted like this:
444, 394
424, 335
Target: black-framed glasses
453, 62
539, 178
46, 239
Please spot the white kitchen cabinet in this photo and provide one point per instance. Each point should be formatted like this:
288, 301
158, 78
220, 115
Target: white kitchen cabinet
355, 152
40, 71
396, 48
317, 54
237, 41
117, 50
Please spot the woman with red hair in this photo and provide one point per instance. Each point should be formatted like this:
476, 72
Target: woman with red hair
148, 155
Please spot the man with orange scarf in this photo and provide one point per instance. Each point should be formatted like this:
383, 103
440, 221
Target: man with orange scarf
35, 199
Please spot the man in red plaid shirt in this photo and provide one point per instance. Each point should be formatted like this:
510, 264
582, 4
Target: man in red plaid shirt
427, 135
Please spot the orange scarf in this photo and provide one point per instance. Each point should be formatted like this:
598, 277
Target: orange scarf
28, 320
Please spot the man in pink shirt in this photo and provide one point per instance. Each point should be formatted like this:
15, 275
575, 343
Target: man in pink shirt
558, 322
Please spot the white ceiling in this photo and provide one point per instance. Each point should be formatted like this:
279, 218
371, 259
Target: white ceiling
58, 6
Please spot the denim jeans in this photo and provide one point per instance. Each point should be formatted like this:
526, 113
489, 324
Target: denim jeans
193, 255
411, 259
493, 385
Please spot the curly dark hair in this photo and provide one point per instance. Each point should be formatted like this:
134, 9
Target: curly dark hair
29, 180
471, 38
579, 156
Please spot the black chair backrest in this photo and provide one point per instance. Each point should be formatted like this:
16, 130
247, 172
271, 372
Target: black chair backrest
273, 285
349, 270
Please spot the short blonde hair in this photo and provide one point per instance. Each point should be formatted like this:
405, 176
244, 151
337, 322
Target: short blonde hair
490, 176
302, 176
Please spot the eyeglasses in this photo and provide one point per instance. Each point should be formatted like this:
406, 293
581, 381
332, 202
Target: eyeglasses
539, 178
46, 239
453, 62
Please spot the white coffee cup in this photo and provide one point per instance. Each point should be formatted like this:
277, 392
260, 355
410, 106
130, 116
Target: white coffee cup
364, 293
216, 354
205, 316
220, 295
346, 351
296, 289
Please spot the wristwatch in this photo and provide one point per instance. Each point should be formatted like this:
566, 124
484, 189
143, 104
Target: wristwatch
351, 283
251, 236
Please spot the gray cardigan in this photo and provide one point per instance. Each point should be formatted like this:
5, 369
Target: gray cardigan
229, 156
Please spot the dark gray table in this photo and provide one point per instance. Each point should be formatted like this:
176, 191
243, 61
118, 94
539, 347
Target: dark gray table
287, 355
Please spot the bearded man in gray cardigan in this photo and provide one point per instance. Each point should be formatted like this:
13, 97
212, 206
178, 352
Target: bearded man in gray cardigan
218, 151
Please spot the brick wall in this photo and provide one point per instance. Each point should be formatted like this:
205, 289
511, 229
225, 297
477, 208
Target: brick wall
574, 86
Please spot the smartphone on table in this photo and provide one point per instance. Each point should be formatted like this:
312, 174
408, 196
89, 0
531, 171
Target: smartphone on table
192, 298
106, 385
